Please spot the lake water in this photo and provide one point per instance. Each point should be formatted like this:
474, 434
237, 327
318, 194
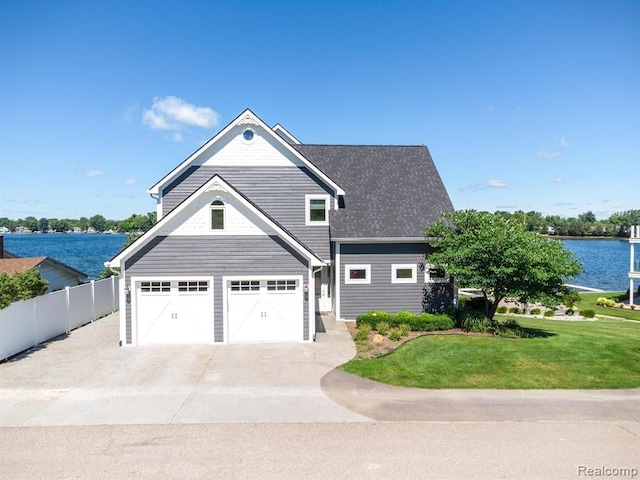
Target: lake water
606, 261
86, 252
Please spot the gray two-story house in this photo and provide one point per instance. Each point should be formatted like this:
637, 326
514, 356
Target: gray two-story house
257, 233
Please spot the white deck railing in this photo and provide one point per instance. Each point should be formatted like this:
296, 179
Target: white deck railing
27, 323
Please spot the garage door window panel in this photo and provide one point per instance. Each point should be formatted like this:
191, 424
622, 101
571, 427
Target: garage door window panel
245, 286
155, 287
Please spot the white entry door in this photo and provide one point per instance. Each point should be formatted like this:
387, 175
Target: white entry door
264, 310
174, 311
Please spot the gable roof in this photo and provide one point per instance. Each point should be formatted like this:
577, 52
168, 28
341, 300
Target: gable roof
391, 191
250, 118
17, 264
216, 183
284, 133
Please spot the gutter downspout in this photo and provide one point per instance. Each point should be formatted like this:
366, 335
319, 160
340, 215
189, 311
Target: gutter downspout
313, 279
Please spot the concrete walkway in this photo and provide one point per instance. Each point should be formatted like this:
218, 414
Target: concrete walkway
388, 403
87, 379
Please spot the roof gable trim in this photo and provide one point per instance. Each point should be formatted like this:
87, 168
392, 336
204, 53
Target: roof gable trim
216, 183
245, 118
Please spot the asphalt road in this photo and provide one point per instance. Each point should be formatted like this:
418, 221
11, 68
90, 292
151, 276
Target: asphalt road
397, 450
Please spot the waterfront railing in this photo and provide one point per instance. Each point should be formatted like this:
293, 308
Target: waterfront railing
28, 323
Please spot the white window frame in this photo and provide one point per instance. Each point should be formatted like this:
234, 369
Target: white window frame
427, 277
307, 211
224, 216
356, 281
404, 266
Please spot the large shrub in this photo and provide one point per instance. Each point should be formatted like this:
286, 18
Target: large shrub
21, 286
373, 317
425, 322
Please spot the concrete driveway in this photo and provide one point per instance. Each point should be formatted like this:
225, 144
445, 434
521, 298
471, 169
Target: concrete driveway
87, 379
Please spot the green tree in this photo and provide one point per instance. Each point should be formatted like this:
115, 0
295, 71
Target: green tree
43, 224
587, 217
499, 257
31, 223
21, 286
29, 284
7, 290
98, 222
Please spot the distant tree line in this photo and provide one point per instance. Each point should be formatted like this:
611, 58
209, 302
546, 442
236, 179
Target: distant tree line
135, 223
584, 225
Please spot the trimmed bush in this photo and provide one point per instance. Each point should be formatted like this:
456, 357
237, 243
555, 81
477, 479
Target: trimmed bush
425, 322
403, 316
362, 333
536, 311
550, 313
382, 328
605, 302
501, 309
588, 313
430, 322
514, 310
508, 328
373, 317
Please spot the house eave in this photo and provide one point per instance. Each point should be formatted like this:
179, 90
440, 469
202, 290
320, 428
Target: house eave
116, 262
383, 239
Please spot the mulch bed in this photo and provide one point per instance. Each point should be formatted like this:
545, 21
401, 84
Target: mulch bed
378, 345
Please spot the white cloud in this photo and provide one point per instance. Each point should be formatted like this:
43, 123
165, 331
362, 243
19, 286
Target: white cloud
558, 180
173, 113
93, 173
497, 184
557, 148
131, 181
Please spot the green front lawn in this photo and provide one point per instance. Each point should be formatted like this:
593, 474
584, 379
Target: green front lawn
581, 355
589, 301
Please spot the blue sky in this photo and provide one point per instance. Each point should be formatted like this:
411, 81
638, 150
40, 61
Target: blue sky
523, 105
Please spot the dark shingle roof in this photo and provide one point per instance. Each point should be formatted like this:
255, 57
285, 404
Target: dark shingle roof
391, 191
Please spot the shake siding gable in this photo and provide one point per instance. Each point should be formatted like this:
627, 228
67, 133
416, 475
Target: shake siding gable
381, 294
216, 256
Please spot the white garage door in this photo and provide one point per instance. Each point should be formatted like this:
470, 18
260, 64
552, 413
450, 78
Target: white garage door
174, 311
264, 310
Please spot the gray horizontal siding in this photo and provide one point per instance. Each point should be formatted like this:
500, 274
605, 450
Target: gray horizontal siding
381, 294
216, 256
279, 191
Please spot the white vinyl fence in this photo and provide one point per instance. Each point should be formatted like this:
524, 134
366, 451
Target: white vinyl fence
27, 323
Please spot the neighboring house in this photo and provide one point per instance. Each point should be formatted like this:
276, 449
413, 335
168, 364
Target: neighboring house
257, 233
56, 273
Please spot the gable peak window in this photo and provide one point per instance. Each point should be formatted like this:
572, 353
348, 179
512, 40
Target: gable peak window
217, 215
